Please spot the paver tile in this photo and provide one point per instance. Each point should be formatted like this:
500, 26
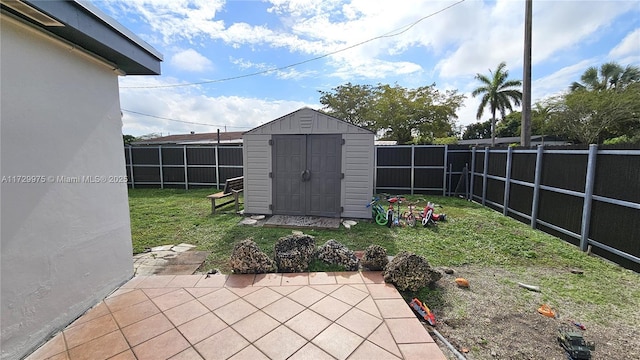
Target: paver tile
369, 351
235, 311
52, 347
240, 280
322, 278
186, 312
95, 312
125, 355
125, 300
383, 291
369, 306
218, 298
330, 308
153, 293
267, 280
156, 281
350, 277
359, 322
221, 345
161, 347
249, 353
172, 299
255, 326
202, 327
283, 309
146, 329
308, 324
327, 289
429, 351
349, 295
306, 296
338, 341
383, 338
394, 308
200, 292
406, 331
89, 330
137, 312
280, 343
189, 354
212, 281
295, 279
311, 352
262, 297
372, 277
103, 347
184, 281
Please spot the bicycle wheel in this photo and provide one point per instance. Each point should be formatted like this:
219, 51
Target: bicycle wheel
381, 219
411, 220
427, 218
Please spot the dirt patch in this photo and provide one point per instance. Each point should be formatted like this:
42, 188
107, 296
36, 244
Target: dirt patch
496, 319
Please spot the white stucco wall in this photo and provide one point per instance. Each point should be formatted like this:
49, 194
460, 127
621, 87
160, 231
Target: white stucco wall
64, 246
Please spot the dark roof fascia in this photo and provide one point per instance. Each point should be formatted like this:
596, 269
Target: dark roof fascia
94, 31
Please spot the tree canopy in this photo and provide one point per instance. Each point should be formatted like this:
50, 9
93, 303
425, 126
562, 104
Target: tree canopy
498, 92
606, 104
398, 113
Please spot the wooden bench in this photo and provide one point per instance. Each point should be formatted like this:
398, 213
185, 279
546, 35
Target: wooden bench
232, 188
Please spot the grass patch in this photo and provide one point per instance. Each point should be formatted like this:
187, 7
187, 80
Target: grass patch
473, 235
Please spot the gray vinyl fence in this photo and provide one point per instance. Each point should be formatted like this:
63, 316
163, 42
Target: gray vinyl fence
588, 197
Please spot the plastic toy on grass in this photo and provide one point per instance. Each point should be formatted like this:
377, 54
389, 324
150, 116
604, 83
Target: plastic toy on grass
573, 343
423, 311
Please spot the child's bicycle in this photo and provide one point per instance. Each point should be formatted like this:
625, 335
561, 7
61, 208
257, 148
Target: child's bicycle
378, 212
393, 215
427, 216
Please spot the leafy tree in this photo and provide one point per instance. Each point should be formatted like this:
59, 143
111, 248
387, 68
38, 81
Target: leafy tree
498, 92
399, 113
128, 139
510, 125
351, 103
610, 76
481, 130
593, 116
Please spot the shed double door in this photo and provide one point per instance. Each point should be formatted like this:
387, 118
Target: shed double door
307, 173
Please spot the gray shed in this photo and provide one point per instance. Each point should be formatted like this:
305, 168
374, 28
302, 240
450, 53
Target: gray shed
308, 163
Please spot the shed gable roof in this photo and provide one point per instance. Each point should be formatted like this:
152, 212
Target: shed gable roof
307, 121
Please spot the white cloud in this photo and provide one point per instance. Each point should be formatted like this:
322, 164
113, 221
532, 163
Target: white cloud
188, 104
191, 60
630, 45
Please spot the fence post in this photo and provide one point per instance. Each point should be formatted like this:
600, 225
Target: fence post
588, 195
413, 170
473, 173
133, 182
449, 180
485, 172
160, 162
444, 170
536, 187
217, 167
507, 182
375, 169
186, 167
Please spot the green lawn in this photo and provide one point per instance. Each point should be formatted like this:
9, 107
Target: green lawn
473, 235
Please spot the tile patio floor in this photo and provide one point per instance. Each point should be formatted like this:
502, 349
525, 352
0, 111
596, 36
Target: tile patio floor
351, 315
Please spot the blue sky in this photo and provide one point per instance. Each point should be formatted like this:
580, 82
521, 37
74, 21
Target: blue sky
207, 40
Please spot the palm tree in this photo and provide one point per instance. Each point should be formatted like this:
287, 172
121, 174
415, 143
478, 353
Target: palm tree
497, 92
610, 76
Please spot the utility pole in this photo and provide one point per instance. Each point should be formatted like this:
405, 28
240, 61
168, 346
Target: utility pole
525, 132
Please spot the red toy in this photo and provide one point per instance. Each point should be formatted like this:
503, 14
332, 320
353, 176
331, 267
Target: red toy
423, 311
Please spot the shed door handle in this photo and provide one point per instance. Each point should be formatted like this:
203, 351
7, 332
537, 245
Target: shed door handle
306, 175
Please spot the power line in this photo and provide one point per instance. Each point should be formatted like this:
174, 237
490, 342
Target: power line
183, 121
387, 35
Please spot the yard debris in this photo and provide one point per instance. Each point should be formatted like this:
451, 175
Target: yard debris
294, 252
545, 310
333, 252
529, 287
258, 217
408, 271
248, 221
577, 271
348, 223
374, 258
247, 258
448, 271
462, 282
